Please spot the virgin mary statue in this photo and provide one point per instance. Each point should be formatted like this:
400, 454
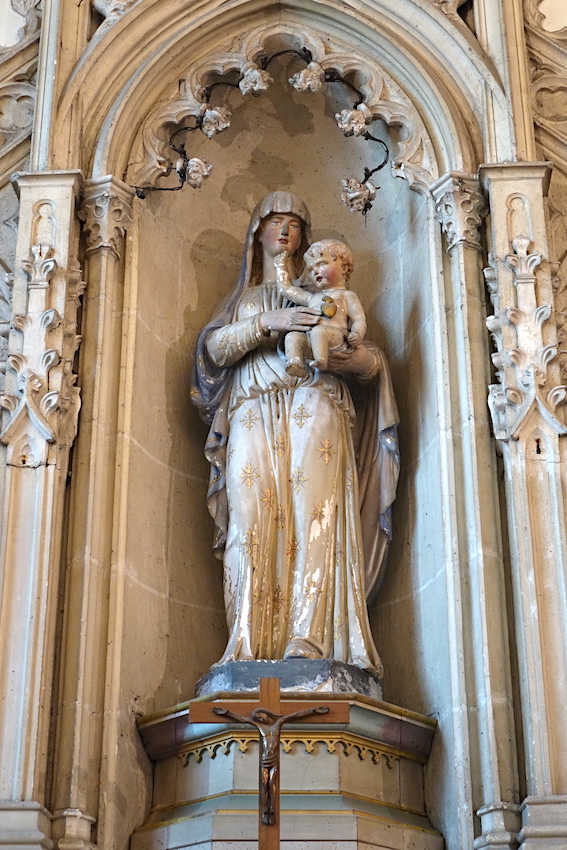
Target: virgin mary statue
303, 470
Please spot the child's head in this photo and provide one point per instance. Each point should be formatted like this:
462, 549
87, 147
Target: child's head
328, 263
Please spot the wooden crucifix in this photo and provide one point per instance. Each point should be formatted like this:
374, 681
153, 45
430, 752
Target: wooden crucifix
268, 716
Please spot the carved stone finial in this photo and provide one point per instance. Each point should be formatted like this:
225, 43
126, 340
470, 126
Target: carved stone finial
459, 207
106, 214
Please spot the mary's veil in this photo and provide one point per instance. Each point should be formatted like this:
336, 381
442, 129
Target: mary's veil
210, 382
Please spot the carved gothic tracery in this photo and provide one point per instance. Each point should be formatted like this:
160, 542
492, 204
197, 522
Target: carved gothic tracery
383, 100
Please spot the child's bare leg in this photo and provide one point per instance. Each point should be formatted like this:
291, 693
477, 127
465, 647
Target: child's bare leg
294, 345
319, 338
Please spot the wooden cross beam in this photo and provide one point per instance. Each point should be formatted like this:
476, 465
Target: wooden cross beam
267, 717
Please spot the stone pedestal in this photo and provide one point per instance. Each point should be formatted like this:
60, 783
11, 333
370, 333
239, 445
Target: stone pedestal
295, 674
355, 785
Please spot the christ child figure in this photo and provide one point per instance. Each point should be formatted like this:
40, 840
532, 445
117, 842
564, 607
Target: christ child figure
328, 266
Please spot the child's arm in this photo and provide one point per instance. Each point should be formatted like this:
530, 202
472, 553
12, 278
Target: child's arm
285, 286
357, 319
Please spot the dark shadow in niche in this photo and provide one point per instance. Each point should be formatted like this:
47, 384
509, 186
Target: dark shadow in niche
263, 173
281, 102
196, 626
389, 621
220, 254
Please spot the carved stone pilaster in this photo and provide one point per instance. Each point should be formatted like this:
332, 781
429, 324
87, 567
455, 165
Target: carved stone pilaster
529, 422
106, 212
522, 358
459, 207
41, 406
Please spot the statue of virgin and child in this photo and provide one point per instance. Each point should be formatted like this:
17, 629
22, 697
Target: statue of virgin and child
304, 465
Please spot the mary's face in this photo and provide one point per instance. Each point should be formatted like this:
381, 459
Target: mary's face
280, 232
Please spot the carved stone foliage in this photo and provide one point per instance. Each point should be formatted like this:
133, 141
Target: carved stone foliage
412, 158
106, 216
526, 382
44, 407
459, 207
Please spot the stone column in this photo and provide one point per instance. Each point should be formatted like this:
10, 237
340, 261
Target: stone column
41, 406
528, 418
86, 722
483, 692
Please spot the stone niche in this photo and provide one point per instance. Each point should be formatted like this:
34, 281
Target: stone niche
184, 256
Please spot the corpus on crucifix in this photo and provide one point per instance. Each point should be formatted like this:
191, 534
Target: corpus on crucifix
268, 716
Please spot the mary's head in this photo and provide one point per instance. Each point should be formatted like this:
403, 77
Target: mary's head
280, 217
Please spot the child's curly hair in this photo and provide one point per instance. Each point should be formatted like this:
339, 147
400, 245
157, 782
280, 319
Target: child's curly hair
337, 250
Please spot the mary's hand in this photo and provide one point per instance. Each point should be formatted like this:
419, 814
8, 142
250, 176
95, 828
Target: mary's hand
360, 361
289, 319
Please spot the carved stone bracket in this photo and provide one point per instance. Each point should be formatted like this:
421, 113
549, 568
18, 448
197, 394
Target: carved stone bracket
522, 358
106, 213
383, 99
459, 207
45, 406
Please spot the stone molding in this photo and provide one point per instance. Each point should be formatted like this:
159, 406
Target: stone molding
459, 208
107, 213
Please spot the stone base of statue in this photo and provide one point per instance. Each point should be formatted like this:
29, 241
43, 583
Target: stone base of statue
320, 676
351, 786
